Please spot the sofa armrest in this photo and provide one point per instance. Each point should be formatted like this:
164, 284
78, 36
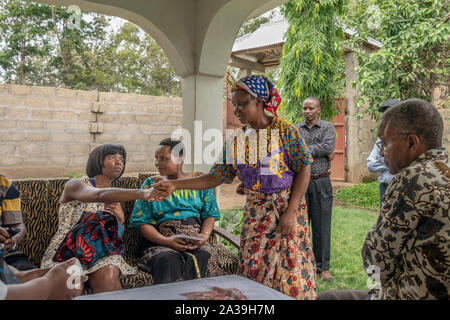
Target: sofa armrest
233, 239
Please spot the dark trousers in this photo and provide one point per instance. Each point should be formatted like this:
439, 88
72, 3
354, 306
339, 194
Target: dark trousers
383, 187
20, 262
319, 200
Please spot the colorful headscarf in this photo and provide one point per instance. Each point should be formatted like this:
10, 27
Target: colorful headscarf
261, 87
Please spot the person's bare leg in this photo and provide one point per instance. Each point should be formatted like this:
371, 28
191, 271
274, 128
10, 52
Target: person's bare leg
105, 279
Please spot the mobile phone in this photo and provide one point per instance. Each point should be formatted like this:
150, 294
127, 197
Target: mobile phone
186, 237
13, 231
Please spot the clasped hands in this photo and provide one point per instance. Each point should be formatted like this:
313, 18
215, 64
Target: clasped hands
160, 191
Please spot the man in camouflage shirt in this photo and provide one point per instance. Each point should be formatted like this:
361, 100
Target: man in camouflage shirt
408, 250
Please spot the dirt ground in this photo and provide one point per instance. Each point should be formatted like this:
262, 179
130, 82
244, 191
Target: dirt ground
229, 199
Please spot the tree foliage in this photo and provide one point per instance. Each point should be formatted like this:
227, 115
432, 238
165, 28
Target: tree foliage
414, 57
250, 25
312, 62
39, 47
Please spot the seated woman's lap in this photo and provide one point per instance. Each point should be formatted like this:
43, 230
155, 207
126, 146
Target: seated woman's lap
168, 265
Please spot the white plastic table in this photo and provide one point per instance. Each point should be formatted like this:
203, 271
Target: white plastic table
171, 291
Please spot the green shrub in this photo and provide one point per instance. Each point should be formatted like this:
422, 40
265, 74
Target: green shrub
231, 220
73, 175
366, 195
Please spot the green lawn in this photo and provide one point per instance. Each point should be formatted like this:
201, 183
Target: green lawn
364, 195
349, 228
348, 231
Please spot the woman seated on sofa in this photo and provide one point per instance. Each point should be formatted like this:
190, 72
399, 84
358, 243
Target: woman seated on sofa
161, 253
91, 218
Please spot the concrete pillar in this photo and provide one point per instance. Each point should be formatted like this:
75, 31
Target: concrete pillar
202, 110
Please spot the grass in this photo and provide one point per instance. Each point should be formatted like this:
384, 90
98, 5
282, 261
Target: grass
349, 228
366, 195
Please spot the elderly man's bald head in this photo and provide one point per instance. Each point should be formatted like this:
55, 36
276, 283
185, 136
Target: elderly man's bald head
415, 116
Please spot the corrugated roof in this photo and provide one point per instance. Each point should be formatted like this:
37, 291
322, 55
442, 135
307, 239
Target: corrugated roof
272, 33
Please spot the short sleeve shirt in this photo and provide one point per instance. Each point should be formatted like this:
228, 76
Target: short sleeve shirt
10, 212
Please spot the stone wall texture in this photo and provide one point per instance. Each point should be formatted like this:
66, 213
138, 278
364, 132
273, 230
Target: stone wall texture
49, 132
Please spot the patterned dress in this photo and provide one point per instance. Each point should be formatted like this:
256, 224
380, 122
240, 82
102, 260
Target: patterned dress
267, 167
81, 221
182, 213
409, 247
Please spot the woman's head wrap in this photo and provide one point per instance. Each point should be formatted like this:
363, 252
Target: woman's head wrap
260, 87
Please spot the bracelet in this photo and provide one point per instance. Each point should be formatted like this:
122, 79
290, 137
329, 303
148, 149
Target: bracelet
15, 244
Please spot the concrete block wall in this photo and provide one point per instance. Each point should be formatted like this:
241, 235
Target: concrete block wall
49, 132
363, 134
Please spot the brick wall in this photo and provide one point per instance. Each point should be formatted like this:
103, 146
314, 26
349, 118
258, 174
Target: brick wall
49, 132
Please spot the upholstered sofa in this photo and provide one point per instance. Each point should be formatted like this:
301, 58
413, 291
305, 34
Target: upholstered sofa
39, 201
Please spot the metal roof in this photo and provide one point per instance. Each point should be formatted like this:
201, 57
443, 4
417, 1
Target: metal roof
264, 46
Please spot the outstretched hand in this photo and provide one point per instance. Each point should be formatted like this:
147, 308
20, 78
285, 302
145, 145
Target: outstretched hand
164, 186
157, 194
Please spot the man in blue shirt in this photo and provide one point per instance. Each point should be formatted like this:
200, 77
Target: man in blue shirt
375, 162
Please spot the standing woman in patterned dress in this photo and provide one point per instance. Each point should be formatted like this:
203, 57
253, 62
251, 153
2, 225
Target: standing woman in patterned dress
274, 169
91, 220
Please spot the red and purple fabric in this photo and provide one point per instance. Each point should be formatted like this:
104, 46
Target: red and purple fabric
97, 235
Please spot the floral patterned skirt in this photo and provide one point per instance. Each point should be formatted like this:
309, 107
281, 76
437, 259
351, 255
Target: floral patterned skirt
282, 262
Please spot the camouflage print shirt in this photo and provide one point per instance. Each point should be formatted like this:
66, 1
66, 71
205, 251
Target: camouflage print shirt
408, 249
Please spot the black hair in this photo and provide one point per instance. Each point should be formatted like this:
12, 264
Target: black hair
416, 116
95, 162
314, 99
172, 143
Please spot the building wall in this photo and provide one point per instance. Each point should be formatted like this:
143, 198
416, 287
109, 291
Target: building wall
361, 134
49, 132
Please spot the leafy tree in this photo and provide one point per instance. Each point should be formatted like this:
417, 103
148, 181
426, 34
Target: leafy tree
414, 58
251, 25
38, 47
312, 63
23, 29
143, 64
